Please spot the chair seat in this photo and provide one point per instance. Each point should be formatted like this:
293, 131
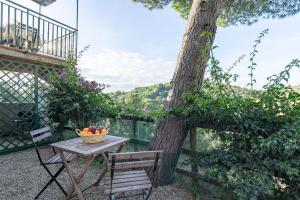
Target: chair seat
56, 158
127, 181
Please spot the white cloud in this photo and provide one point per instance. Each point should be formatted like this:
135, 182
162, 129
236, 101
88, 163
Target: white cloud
125, 70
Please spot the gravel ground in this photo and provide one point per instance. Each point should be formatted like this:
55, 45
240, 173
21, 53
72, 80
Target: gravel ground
22, 177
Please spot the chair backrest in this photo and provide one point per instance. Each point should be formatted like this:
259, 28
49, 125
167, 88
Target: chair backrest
129, 160
41, 134
133, 160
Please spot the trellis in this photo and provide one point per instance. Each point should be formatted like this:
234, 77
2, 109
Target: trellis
22, 102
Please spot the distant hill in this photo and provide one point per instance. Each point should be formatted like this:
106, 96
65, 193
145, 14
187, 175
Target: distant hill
296, 88
151, 98
147, 99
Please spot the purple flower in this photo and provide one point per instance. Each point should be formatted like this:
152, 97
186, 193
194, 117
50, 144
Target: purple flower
80, 81
90, 85
94, 85
62, 75
86, 83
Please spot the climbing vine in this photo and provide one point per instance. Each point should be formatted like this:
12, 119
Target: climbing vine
259, 132
253, 64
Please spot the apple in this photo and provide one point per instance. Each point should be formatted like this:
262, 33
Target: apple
92, 129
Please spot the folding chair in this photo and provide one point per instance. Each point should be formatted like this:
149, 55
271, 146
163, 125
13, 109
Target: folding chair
127, 174
45, 134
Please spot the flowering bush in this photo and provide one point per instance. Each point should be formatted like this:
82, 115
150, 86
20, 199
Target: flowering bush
73, 99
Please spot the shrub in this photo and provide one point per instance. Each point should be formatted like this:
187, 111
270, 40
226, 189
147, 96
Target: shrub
73, 99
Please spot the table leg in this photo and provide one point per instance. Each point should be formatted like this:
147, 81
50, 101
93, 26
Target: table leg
96, 183
105, 162
121, 147
75, 180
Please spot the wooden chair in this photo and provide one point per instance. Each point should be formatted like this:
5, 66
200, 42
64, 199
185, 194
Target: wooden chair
45, 134
127, 173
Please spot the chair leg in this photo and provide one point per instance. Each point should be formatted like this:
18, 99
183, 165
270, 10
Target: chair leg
144, 192
58, 184
44, 188
53, 178
112, 197
149, 192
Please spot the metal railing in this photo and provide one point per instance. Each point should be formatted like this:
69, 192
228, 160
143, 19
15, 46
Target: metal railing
31, 31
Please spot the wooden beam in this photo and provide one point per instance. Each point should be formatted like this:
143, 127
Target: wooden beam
193, 145
19, 55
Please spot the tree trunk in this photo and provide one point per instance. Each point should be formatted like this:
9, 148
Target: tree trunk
189, 73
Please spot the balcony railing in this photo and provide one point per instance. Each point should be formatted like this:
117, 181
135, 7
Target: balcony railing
31, 31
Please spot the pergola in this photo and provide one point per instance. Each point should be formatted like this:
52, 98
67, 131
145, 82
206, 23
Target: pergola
32, 47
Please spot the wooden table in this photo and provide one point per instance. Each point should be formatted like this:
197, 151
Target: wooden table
89, 151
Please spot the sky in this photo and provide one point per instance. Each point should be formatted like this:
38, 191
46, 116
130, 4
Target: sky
133, 47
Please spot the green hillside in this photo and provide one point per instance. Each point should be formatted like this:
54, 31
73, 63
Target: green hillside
143, 99
151, 98
297, 88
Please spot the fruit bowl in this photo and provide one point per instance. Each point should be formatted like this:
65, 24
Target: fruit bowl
90, 137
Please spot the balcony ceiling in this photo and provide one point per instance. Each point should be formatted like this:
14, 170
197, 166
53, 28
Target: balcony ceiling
44, 2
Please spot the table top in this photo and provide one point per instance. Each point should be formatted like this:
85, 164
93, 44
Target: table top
77, 146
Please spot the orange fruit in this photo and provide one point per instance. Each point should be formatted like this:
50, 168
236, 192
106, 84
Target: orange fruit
103, 131
83, 133
85, 130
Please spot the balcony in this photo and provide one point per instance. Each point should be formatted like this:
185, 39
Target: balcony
29, 32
